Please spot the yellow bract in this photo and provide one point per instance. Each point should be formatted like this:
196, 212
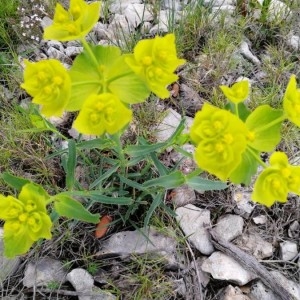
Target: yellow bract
74, 23
221, 139
49, 84
155, 61
103, 113
238, 92
276, 181
291, 101
26, 219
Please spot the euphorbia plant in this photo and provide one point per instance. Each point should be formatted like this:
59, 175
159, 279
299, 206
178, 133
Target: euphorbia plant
101, 85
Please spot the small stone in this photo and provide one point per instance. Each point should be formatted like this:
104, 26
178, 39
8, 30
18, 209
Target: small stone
183, 195
57, 54
259, 291
84, 137
229, 227
83, 283
100, 31
55, 44
245, 51
119, 27
233, 293
194, 221
254, 244
118, 6
294, 42
244, 204
73, 51
277, 12
260, 220
168, 125
44, 271
223, 267
46, 21
288, 250
142, 241
8, 266
189, 99
294, 230
137, 13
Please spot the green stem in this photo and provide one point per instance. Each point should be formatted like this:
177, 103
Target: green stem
119, 151
257, 157
88, 49
274, 122
237, 110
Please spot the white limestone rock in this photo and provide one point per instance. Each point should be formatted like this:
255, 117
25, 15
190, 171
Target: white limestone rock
142, 241
260, 220
254, 244
73, 51
229, 226
245, 51
43, 271
183, 195
233, 293
288, 250
137, 13
223, 267
83, 283
118, 6
194, 222
244, 204
293, 41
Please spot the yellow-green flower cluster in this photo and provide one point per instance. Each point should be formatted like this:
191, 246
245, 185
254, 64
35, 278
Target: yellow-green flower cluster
155, 60
276, 181
73, 24
49, 83
105, 109
291, 101
26, 219
221, 139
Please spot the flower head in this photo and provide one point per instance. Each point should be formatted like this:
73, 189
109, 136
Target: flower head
291, 101
26, 219
103, 113
49, 84
276, 181
155, 60
221, 139
238, 92
74, 23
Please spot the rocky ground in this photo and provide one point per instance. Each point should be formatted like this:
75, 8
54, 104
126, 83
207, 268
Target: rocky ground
225, 247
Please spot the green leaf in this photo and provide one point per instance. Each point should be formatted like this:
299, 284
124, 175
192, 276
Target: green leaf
169, 181
73, 209
265, 124
111, 200
132, 183
71, 164
106, 175
246, 169
14, 181
161, 168
157, 200
243, 110
201, 184
143, 150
